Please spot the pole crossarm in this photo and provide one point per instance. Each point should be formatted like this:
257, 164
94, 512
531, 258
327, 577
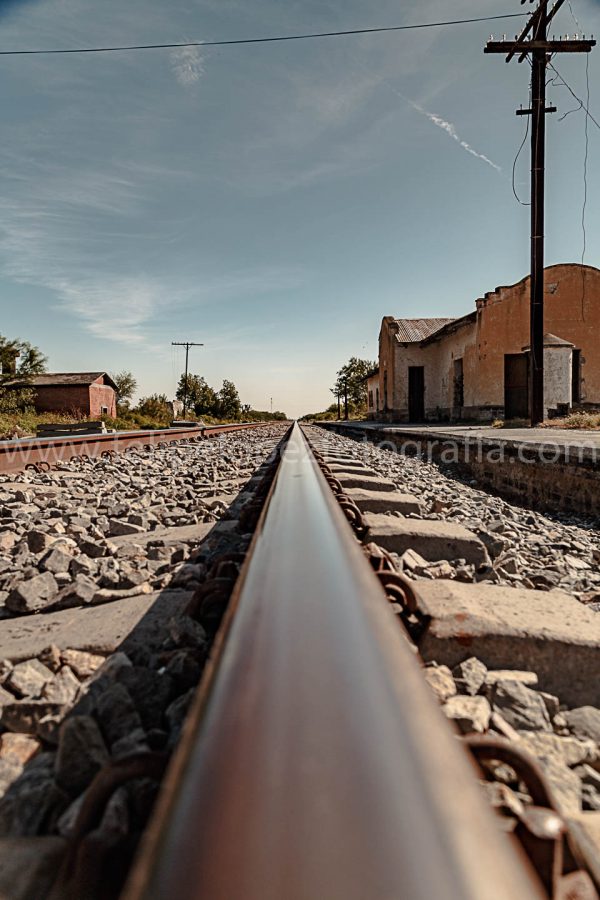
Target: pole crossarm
524, 47
529, 112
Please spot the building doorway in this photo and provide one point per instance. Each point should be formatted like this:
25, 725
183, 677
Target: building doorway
416, 393
516, 386
576, 389
458, 400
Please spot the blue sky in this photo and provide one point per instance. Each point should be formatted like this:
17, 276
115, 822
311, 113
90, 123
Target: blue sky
273, 201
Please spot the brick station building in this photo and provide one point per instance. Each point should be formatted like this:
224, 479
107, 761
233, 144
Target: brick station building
477, 366
89, 394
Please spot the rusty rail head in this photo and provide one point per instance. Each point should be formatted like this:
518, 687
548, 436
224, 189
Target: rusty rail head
315, 763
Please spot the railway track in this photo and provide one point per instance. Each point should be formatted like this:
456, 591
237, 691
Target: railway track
43, 454
314, 760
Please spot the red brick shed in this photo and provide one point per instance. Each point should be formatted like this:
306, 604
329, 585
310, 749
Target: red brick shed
92, 394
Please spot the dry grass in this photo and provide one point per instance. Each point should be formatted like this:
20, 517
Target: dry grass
24, 424
586, 420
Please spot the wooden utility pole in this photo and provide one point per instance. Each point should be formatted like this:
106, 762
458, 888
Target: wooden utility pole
187, 345
534, 40
346, 399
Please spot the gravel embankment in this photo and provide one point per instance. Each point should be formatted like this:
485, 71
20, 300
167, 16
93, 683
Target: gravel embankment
108, 539
528, 549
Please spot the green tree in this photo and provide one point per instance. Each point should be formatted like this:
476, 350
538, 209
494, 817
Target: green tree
229, 404
126, 386
20, 359
200, 396
156, 406
351, 377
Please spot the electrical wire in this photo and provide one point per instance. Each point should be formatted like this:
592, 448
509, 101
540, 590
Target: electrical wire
574, 17
575, 97
261, 40
522, 202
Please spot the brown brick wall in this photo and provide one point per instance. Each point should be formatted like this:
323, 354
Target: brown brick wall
63, 398
102, 395
83, 400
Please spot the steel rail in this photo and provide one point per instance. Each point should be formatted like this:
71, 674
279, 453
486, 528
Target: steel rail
314, 762
16, 455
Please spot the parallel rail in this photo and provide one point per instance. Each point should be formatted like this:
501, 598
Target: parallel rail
44, 453
314, 762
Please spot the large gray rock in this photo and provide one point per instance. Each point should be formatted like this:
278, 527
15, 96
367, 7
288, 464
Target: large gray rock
28, 678
56, 561
93, 549
27, 716
441, 682
584, 722
432, 539
38, 541
117, 714
63, 688
82, 663
81, 753
118, 527
150, 691
34, 594
520, 706
548, 632
469, 676
471, 714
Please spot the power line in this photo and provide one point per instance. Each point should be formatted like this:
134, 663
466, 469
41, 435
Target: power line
575, 97
522, 202
261, 40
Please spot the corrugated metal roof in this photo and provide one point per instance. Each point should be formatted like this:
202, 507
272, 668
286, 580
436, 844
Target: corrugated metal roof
60, 378
415, 330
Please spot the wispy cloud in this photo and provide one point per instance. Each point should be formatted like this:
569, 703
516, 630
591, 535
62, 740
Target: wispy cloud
188, 65
450, 130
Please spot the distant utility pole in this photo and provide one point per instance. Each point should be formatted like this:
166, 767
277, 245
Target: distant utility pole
339, 410
271, 406
534, 40
187, 345
346, 399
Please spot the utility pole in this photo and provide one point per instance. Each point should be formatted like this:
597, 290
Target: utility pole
339, 410
187, 345
346, 399
534, 40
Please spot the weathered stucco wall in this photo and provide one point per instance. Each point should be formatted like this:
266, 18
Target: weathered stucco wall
558, 376
571, 311
501, 327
